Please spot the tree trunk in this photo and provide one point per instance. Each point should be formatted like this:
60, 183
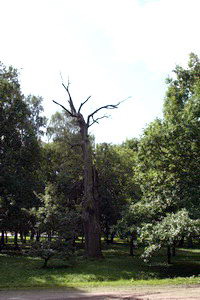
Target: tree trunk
181, 243
190, 242
32, 235
37, 236
91, 221
107, 233
131, 246
21, 236
16, 240
45, 262
2, 238
168, 254
49, 236
112, 238
174, 249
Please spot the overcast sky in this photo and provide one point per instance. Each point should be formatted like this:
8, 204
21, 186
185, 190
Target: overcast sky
109, 49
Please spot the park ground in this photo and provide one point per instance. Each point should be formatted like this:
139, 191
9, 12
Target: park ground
134, 293
117, 276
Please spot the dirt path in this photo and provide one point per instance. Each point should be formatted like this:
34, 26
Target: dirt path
135, 293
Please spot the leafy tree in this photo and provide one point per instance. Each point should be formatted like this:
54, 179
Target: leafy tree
168, 160
167, 232
115, 167
19, 151
55, 218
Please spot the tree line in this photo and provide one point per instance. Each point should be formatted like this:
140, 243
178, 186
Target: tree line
145, 190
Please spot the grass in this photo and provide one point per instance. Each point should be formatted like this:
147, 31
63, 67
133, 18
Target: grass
116, 269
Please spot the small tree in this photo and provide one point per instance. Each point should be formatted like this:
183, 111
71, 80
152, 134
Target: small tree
167, 232
47, 250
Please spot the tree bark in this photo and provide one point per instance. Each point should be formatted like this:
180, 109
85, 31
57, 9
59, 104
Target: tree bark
37, 236
181, 242
190, 242
168, 254
131, 246
90, 214
16, 240
32, 235
21, 236
112, 238
2, 238
174, 249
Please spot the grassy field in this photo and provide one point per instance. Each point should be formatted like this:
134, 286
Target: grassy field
116, 269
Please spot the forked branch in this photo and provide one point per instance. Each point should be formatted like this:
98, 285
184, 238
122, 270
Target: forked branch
97, 119
71, 104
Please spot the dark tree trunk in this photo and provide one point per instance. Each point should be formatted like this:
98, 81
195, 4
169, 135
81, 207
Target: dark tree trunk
6, 237
168, 254
181, 242
112, 238
32, 235
21, 236
49, 236
91, 221
16, 240
37, 236
45, 262
131, 252
190, 242
174, 249
107, 233
82, 239
2, 238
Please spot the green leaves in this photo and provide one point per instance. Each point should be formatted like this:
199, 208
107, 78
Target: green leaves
20, 152
166, 232
168, 162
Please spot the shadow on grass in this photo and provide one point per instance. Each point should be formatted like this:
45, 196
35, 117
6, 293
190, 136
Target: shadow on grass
26, 272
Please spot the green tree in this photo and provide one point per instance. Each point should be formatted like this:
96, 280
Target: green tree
19, 151
168, 160
115, 167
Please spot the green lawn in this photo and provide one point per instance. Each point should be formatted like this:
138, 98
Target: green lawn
116, 269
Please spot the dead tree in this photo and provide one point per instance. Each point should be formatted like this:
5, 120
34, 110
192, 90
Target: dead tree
90, 211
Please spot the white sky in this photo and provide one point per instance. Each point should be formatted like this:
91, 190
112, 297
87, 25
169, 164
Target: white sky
110, 49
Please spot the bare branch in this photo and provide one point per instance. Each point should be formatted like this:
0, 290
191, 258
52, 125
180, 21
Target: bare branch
71, 104
69, 112
109, 106
83, 104
123, 100
97, 119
